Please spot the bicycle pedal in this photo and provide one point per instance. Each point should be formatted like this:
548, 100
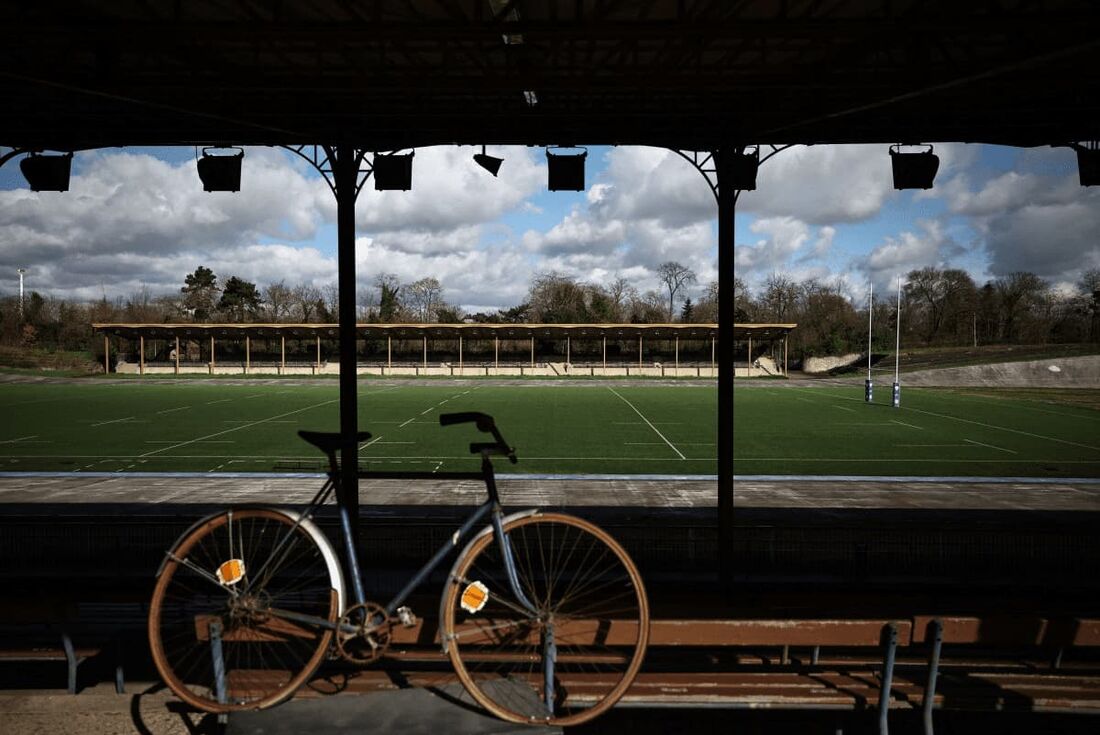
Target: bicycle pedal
406, 616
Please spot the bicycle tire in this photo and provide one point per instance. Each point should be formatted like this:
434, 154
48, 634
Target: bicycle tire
266, 656
587, 591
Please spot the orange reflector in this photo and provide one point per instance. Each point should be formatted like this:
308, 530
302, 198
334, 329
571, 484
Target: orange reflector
231, 572
474, 597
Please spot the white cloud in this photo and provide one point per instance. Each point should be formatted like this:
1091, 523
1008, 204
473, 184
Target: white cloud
450, 191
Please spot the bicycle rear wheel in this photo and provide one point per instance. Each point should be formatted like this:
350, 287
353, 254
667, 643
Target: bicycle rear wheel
577, 652
244, 608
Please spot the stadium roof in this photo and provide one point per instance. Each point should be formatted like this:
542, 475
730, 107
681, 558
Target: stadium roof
689, 74
446, 331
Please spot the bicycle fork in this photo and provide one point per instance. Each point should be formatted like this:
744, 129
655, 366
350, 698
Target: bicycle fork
549, 647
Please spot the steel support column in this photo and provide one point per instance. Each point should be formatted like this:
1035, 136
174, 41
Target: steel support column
345, 169
723, 160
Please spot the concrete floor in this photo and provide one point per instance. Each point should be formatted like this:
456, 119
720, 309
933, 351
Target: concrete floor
68, 492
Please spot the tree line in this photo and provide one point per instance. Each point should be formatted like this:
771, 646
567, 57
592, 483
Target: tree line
940, 306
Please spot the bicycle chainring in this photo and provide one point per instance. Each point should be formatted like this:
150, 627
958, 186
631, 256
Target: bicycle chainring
371, 639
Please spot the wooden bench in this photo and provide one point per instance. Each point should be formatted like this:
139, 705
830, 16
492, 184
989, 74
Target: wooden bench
1006, 662
36, 631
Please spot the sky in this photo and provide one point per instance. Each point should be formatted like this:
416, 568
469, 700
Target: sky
137, 218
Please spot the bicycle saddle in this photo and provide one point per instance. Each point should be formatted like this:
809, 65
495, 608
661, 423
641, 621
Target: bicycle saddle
329, 442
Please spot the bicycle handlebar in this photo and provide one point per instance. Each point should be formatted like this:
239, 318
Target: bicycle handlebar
486, 424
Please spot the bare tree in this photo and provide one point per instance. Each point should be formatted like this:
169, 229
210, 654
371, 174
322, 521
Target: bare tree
306, 300
280, 301
674, 276
425, 297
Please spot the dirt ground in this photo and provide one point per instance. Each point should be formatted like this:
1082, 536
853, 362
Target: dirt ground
145, 709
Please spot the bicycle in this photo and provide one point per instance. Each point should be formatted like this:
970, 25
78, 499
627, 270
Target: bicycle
543, 615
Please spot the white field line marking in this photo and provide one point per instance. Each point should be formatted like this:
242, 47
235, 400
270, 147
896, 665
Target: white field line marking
113, 421
1005, 428
220, 400
804, 400
242, 426
862, 423
364, 445
245, 421
655, 429
931, 445
254, 395
979, 423
402, 426
993, 401
626, 423
395, 442
642, 444
845, 408
902, 423
999, 449
20, 439
426, 410
904, 460
173, 410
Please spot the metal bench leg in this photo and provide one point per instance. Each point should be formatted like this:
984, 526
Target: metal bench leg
70, 659
815, 656
933, 671
219, 668
887, 680
120, 680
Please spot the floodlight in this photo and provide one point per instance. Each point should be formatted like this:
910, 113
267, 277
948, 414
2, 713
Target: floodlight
1088, 163
913, 170
487, 162
565, 171
393, 172
743, 168
47, 172
220, 171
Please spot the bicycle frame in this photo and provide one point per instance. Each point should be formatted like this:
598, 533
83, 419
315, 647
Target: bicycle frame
490, 507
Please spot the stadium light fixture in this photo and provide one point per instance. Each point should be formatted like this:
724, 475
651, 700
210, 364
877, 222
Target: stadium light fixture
1088, 162
220, 171
47, 172
487, 162
913, 169
565, 171
393, 172
744, 168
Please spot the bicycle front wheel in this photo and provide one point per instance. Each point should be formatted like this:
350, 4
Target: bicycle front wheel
568, 646
244, 609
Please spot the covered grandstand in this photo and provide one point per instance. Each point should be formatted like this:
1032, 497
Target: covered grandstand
652, 350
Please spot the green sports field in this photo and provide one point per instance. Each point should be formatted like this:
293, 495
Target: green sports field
600, 427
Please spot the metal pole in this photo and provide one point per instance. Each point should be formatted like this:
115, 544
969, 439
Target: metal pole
726, 207
141, 357
106, 354
21, 272
282, 354
389, 351
177, 355
211, 354
929, 698
897, 351
345, 175
425, 353
532, 352
460, 354
247, 354
869, 387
